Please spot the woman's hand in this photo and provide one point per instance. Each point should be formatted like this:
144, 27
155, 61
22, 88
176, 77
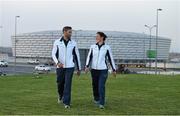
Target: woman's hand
86, 70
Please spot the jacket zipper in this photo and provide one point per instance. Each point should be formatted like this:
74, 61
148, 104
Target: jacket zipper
97, 59
65, 56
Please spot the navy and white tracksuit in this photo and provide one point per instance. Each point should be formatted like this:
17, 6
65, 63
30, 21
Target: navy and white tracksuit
97, 57
65, 52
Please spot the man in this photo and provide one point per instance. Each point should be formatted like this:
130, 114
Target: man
64, 54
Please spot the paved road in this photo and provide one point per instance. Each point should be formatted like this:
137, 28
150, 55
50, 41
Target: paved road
20, 69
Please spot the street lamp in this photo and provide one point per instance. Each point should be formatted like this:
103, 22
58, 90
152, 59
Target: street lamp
16, 17
150, 31
144, 48
157, 13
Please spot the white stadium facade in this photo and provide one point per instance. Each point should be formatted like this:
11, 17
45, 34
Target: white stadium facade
127, 47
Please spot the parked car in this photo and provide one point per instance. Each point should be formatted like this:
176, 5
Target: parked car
2, 74
42, 68
33, 61
3, 63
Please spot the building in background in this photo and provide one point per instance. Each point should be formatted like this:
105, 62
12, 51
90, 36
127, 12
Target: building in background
5, 53
174, 57
127, 47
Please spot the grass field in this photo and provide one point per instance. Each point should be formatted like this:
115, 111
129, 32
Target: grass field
125, 94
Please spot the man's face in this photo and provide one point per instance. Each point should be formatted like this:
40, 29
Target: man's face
68, 33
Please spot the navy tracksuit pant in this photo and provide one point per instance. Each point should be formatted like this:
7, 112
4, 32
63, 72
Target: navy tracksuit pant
64, 82
99, 78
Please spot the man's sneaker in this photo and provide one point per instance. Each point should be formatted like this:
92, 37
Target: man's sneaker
59, 101
96, 102
101, 106
66, 106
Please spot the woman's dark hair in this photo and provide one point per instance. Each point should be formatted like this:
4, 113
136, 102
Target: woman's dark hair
66, 28
102, 35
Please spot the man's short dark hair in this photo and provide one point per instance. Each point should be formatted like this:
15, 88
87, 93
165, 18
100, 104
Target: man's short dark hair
102, 35
66, 28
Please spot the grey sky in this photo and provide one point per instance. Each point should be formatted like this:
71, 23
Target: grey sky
122, 15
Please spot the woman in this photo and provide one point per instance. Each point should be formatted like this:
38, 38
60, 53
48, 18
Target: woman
97, 56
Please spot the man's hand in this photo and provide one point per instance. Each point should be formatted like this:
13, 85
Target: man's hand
59, 65
86, 70
78, 73
114, 73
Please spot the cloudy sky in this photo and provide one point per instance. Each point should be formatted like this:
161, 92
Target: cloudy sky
115, 15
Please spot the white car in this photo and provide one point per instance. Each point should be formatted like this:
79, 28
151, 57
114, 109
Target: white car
42, 68
33, 62
3, 64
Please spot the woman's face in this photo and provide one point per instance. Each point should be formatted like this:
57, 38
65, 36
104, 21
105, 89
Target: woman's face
99, 38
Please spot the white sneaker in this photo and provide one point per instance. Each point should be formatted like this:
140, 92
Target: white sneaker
59, 101
101, 106
67, 106
96, 102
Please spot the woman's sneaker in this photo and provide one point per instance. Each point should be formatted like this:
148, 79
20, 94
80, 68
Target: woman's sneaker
67, 106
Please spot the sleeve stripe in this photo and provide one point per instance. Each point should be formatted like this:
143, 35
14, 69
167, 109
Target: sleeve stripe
110, 60
57, 53
76, 58
90, 58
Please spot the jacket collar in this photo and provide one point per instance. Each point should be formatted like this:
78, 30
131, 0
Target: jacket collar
101, 44
62, 38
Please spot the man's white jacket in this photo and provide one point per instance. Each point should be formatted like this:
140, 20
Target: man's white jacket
98, 57
67, 55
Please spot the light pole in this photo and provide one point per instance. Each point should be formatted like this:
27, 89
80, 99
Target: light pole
144, 48
1, 28
157, 13
150, 31
16, 17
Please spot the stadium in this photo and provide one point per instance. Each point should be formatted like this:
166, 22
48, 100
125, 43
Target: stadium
127, 47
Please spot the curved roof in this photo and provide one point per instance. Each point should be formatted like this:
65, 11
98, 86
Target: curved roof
113, 34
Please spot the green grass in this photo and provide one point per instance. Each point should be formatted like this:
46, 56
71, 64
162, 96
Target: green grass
126, 94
